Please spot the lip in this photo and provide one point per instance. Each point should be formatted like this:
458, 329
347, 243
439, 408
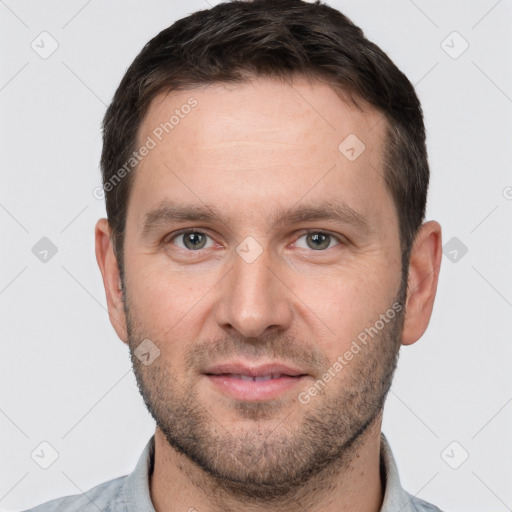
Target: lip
240, 368
237, 380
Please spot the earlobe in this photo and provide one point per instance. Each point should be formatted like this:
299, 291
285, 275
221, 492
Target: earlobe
424, 266
109, 268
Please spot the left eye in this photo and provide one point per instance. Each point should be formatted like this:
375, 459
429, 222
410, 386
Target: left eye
192, 240
317, 240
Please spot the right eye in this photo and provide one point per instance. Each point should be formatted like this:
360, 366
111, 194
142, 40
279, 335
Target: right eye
191, 240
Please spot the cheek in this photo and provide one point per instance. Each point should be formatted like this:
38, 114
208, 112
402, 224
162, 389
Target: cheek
165, 316
346, 302
162, 292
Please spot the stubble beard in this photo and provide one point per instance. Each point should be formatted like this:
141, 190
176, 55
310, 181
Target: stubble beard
268, 459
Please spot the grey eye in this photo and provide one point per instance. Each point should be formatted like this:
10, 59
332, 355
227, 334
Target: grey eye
317, 240
192, 240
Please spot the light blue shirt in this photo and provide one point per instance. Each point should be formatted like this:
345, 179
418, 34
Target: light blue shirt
131, 493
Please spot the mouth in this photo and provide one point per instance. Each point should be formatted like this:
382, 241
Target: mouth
241, 381
260, 378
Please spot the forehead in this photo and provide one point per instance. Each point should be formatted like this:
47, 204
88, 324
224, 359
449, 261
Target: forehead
264, 141
270, 115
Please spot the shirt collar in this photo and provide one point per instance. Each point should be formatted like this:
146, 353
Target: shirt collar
396, 499
137, 495
136, 486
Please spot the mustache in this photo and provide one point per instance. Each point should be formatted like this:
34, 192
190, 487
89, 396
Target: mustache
274, 347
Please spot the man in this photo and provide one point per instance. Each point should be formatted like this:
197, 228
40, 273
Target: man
264, 258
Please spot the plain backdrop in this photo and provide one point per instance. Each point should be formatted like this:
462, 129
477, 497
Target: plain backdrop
65, 378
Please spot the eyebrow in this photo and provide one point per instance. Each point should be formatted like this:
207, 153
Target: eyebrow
169, 212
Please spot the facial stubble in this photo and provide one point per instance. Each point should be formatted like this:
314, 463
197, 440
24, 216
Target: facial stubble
270, 458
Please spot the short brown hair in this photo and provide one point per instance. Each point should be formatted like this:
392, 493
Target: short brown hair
237, 40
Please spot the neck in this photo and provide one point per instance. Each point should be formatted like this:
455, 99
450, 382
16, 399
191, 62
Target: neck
178, 483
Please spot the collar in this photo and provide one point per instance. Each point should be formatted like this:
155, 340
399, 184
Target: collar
137, 495
396, 499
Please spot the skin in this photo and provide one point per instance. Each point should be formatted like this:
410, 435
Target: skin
265, 145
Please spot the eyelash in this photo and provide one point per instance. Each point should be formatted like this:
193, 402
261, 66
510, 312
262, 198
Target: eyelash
175, 235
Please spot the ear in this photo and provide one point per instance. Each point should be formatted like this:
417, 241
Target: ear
424, 265
109, 268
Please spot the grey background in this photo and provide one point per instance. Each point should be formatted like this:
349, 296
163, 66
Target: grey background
65, 378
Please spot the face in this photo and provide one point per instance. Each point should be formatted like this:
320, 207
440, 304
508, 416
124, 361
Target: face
258, 256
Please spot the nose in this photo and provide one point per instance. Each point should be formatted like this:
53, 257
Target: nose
254, 298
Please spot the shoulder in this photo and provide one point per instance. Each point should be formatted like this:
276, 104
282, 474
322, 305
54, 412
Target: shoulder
420, 505
107, 497
116, 495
